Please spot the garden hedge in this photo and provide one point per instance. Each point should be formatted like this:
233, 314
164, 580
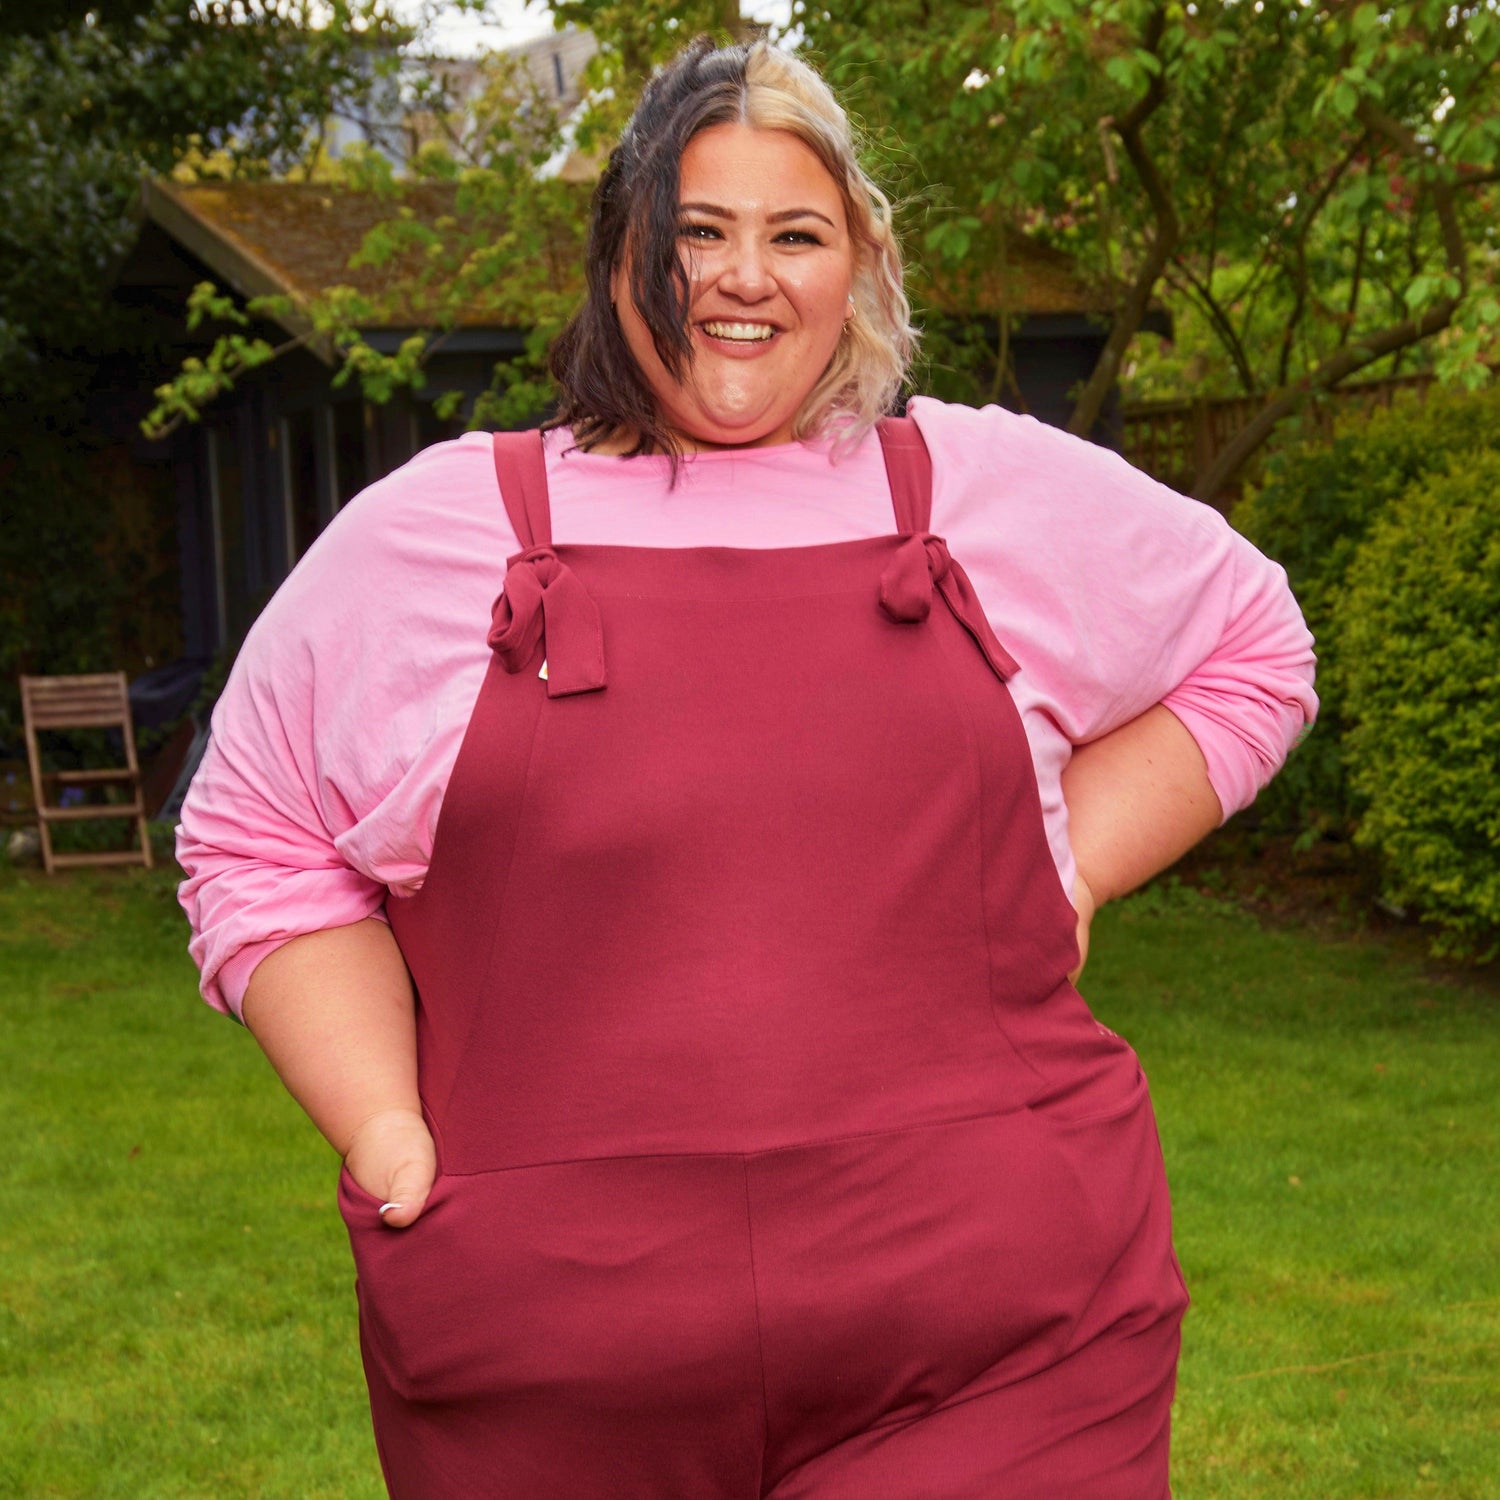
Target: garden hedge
1317, 505
1416, 634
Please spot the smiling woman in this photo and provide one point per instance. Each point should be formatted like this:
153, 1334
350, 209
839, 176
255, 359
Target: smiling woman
745, 287
684, 967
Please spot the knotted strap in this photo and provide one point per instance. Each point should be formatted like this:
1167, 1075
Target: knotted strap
544, 596
922, 563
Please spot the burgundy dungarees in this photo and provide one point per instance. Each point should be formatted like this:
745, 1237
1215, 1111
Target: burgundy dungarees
777, 1156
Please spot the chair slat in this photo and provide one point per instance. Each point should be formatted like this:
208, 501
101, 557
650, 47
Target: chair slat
116, 857
88, 812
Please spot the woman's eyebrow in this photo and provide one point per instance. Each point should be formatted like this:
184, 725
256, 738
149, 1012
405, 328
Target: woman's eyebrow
714, 211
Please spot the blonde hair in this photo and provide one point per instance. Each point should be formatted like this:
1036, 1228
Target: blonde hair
865, 374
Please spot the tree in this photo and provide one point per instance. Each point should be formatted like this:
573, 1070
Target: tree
94, 96
1324, 169
1314, 178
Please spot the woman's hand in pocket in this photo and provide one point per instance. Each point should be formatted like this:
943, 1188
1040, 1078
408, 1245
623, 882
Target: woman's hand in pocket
391, 1156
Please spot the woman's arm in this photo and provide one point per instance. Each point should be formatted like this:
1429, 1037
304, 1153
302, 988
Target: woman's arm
1138, 798
335, 1013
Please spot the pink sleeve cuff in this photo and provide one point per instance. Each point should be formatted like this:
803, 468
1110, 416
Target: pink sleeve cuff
1244, 746
224, 988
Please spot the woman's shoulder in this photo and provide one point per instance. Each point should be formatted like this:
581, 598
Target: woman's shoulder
989, 455
449, 482
439, 511
993, 438
400, 565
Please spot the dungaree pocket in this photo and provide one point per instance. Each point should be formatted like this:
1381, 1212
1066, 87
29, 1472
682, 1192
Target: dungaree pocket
608, 1281
430, 1295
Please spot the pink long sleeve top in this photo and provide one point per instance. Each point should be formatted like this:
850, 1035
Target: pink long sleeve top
333, 742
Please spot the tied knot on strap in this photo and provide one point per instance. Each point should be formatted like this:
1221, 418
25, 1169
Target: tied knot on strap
543, 600
922, 565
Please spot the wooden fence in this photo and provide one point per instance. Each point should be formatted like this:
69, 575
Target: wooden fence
1175, 441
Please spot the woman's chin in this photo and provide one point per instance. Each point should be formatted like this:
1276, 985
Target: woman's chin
733, 429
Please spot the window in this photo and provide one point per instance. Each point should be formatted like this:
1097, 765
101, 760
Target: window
428, 429
227, 500
299, 457
351, 470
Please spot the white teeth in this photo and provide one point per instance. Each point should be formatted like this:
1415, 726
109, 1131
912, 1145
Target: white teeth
747, 333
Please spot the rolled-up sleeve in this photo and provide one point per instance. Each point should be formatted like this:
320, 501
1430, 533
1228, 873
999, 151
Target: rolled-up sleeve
1250, 699
255, 841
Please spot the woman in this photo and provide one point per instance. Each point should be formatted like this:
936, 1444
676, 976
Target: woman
718, 1116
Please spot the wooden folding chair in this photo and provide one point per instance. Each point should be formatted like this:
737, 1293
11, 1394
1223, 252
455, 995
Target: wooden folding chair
98, 701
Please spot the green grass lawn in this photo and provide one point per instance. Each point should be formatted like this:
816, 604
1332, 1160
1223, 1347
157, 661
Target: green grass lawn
176, 1313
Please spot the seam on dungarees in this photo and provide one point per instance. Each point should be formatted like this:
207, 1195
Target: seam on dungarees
760, 1346
985, 817
811, 1143
497, 926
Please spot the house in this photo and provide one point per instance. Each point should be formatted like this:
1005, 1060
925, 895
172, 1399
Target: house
395, 115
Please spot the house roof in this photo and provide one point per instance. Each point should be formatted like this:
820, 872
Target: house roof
296, 239
1036, 280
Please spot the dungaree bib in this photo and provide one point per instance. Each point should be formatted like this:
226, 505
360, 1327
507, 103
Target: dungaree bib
777, 1155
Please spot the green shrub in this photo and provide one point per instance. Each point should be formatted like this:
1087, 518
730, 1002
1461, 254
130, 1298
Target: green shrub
1417, 638
1317, 505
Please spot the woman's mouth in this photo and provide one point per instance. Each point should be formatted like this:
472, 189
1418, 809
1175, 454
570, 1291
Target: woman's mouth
739, 333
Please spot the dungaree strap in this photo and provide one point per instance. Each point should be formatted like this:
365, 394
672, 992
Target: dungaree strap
521, 471
908, 465
922, 564
543, 603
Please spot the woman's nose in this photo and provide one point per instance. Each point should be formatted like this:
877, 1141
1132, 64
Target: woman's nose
747, 273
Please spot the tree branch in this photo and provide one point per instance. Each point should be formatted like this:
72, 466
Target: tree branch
1199, 290
1132, 312
1302, 280
1378, 122
1351, 358
1351, 311
1333, 371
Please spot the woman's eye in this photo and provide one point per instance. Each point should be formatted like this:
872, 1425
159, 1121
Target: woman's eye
798, 237
699, 232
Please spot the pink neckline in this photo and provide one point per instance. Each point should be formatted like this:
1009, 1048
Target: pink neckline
559, 439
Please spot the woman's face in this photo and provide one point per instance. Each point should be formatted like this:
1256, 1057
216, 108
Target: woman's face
765, 243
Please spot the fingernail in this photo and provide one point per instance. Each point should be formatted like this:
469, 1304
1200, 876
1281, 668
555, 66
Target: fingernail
385, 1208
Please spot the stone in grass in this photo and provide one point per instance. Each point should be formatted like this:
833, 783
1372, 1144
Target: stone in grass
24, 847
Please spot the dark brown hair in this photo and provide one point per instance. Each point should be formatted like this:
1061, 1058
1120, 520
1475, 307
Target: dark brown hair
635, 204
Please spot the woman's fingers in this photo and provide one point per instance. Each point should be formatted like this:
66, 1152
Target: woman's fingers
409, 1190
391, 1156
